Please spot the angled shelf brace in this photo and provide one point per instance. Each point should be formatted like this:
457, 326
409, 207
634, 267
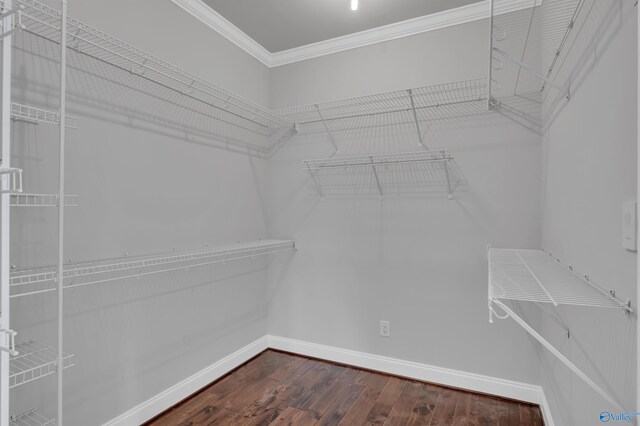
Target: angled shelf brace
42, 200
534, 276
324, 123
14, 16
34, 361
37, 115
415, 119
429, 163
31, 418
532, 71
41, 280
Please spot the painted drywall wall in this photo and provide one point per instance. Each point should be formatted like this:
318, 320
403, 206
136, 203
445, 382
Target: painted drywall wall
417, 260
148, 182
167, 31
451, 54
590, 169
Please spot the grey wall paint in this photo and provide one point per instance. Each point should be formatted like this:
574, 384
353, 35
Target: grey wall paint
167, 31
418, 261
590, 169
394, 65
145, 186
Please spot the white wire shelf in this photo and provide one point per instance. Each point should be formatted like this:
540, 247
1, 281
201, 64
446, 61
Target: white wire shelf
390, 102
238, 118
383, 174
42, 200
31, 418
537, 52
25, 282
38, 115
34, 361
535, 276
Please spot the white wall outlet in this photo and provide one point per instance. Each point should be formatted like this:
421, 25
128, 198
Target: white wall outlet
385, 330
630, 225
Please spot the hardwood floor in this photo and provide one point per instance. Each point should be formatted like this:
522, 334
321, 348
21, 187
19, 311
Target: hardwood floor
282, 389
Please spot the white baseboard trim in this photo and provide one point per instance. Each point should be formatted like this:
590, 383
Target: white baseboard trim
157, 404
429, 373
546, 410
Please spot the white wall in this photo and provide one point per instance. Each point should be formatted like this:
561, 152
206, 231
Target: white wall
419, 260
145, 186
590, 169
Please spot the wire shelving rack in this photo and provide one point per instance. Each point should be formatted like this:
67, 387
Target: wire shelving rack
538, 52
26, 282
31, 418
34, 361
535, 276
384, 173
408, 111
37, 115
42, 200
238, 118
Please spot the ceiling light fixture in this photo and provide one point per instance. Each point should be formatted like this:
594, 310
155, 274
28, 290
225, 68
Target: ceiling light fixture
354, 5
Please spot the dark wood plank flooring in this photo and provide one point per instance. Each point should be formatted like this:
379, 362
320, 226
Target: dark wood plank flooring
282, 389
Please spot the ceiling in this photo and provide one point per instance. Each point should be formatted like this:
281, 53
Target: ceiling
280, 25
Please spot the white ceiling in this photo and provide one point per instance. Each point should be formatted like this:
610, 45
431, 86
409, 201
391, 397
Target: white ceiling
280, 25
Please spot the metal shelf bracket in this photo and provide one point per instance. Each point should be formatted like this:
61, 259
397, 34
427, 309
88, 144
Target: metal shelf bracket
16, 21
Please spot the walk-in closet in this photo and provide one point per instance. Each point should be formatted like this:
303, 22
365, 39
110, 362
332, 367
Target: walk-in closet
319, 212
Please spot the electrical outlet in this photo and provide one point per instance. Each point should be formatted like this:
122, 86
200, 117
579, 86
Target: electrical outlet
385, 330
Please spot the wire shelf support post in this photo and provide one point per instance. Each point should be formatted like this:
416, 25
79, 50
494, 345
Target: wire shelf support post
6, 339
61, 205
490, 72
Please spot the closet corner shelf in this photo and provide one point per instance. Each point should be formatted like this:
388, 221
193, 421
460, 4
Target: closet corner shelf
434, 167
31, 418
534, 276
530, 46
36, 115
42, 200
24, 282
34, 361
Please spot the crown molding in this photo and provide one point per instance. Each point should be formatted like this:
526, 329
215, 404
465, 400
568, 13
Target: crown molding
435, 21
199, 10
